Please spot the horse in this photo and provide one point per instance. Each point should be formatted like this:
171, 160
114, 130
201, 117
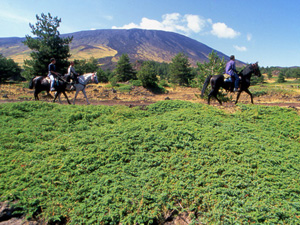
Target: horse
83, 80
41, 83
217, 81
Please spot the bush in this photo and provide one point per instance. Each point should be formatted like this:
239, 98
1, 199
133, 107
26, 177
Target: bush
8, 69
136, 83
119, 165
147, 74
281, 78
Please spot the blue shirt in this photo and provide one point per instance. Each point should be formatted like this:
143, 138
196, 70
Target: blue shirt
51, 67
230, 68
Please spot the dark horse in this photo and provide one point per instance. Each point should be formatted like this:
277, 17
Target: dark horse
41, 83
218, 81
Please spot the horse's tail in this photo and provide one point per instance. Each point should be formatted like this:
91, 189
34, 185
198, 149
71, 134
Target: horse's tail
206, 83
31, 83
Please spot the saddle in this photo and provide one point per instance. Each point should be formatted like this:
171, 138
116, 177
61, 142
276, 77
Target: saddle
230, 80
227, 78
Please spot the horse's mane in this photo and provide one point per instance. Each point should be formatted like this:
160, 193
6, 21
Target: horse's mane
247, 70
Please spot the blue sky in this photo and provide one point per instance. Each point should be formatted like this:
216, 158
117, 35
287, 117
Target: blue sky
266, 31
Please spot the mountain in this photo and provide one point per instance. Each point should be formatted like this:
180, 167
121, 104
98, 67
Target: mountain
108, 45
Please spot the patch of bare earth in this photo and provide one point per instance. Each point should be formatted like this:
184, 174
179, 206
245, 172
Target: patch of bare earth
139, 96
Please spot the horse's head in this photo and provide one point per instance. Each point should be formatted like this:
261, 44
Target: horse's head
249, 69
94, 78
256, 70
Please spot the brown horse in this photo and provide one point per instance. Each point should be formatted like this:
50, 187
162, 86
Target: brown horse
217, 82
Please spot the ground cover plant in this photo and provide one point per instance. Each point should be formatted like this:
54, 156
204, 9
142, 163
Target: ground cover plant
112, 165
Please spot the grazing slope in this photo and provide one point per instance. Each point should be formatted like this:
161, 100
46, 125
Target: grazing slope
119, 165
109, 45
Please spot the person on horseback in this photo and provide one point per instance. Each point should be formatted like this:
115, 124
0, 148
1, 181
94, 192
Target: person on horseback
231, 70
51, 73
73, 73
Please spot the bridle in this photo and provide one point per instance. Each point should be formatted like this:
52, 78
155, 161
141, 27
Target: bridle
256, 69
93, 77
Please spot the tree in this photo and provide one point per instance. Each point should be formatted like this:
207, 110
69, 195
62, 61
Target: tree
47, 45
214, 66
86, 66
147, 74
269, 73
124, 70
180, 70
281, 78
8, 68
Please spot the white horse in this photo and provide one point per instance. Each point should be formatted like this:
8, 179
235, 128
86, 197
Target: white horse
82, 82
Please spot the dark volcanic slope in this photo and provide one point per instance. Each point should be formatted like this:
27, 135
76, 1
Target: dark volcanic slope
108, 45
146, 44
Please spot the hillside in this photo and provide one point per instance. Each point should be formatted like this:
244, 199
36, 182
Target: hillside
109, 45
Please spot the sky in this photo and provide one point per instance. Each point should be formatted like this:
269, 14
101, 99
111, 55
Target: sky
267, 31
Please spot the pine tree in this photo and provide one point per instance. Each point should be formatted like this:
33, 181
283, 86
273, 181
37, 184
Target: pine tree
147, 74
214, 66
269, 74
47, 45
124, 70
180, 70
281, 78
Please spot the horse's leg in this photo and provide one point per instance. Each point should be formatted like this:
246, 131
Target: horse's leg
77, 91
83, 91
66, 97
48, 94
249, 93
36, 95
237, 97
59, 98
214, 93
216, 96
209, 96
56, 94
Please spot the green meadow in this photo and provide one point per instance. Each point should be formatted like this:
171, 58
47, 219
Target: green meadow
119, 165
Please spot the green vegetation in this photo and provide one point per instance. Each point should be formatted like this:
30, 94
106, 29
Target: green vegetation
281, 78
8, 69
124, 70
180, 69
147, 74
111, 165
214, 66
47, 45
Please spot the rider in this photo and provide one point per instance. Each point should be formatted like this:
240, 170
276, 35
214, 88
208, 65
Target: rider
51, 73
231, 70
72, 72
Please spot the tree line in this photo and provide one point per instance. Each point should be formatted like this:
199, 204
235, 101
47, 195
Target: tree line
49, 44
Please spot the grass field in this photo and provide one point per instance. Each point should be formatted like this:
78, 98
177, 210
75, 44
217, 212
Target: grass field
120, 165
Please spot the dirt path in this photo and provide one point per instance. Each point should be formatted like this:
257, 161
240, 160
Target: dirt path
139, 96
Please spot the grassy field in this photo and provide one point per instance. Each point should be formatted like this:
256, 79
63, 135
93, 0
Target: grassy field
112, 165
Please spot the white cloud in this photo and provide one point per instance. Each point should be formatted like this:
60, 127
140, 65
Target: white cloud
195, 23
240, 48
108, 17
222, 31
171, 22
249, 37
186, 24
9, 16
